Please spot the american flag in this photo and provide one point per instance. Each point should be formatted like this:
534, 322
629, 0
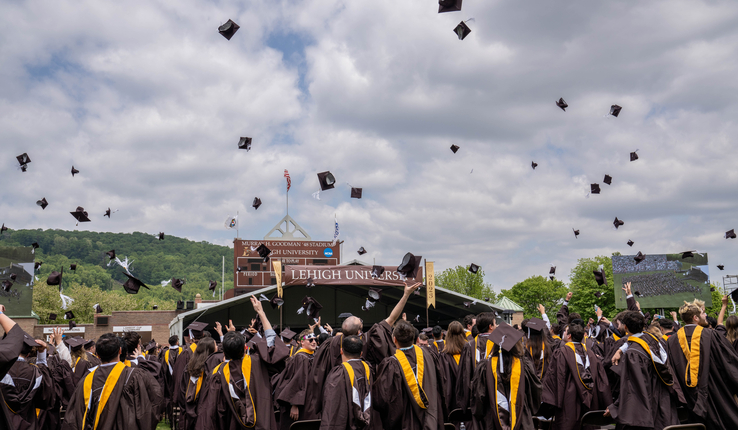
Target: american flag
335, 232
289, 181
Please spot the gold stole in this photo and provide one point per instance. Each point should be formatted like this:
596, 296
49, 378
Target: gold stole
246, 370
415, 384
692, 354
616, 337
306, 351
571, 345
199, 384
76, 362
166, 354
110, 384
292, 350
351, 375
193, 347
457, 358
514, 385
488, 349
543, 359
645, 346
556, 337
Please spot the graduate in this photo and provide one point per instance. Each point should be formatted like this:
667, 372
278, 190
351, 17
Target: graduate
449, 360
168, 358
476, 350
539, 345
290, 386
196, 331
706, 367
469, 322
407, 388
347, 398
438, 342
62, 376
506, 390
80, 360
196, 377
113, 396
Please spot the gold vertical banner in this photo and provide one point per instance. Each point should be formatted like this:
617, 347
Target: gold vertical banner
430, 281
277, 265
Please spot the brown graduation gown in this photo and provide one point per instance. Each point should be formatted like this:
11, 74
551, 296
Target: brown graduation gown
61, 374
711, 401
449, 368
179, 368
437, 345
468, 363
290, 388
81, 368
339, 410
191, 400
25, 388
131, 404
168, 370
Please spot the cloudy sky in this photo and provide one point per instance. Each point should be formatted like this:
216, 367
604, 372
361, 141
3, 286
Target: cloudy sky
148, 101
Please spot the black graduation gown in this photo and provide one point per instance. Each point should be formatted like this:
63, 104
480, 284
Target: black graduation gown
178, 370
290, 388
449, 368
61, 374
468, 363
711, 401
340, 412
191, 400
438, 345
80, 369
10, 348
167, 366
25, 388
130, 406
213, 361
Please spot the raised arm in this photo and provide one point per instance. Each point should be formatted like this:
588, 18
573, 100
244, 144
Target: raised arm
397, 311
562, 316
5, 322
723, 307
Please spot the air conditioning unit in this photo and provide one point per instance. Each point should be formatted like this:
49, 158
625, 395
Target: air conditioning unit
180, 305
190, 305
103, 321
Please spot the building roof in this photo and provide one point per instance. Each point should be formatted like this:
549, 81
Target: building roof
507, 304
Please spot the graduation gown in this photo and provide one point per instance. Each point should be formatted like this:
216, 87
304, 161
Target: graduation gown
10, 348
290, 388
397, 403
347, 401
25, 388
475, 351
168, 358
522, 394
710, 399
213, 361
92, 358
438, 345
571, 389
80, 368
194, 386
62, 377
178, 370
448, 366
128, 402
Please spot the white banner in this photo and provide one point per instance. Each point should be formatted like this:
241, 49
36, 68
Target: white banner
125, 328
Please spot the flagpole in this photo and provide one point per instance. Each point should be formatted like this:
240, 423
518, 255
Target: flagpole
427, 307
222, 280
237, 226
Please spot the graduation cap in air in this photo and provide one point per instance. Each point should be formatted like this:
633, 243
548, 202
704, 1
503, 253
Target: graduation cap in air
377, 271
473, 268
309, 283
368, 305
375, 293
241, 268
462, 30
177, 284
155, 307
427, 330
35, 246
257, 203
533, 164
730, 234
161, 235
598, 294
68, 315
600, 278
552, 270
506, 336
23, 160
80, 214
345, 315
73, 267
721, 267
409, 266
227, 30
43, 203
486, 299
637, 293
576, 233
13, 276
52, 317
712, 289
449, 6
263, 252
361, 251
107, 213
562, 104
37, 264
617, 223
74, 171
595, 188
630, 243
55, 278
28, 340
276, 301
633, 156
607, 180
615, 110
417, 318
132, 285
734, 295
212, 285
639, 257
688, 254
454, 148
7, 285
111, 254
244, 143
287, 334
98, 309
356, 193
3, 228
327, 180
311, 307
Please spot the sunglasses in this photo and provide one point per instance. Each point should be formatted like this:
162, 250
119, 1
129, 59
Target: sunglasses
310, 338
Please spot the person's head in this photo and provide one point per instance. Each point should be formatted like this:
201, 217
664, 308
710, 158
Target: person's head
422, 339
132, 340
25, 350
403, 334
574, 332
556, 329
322, 338
455, 338
712, 321
234, 345
693, 313
574, 316
308, 340
469, 321
352, 326
173, 340
351, 347
486, 322
516, 327
108, 347
667, 326
633, 321
437, 332
618, 322
196, 364
654, 329
731, 325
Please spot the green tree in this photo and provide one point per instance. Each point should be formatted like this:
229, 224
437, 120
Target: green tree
461, 280
584, 286
537, 290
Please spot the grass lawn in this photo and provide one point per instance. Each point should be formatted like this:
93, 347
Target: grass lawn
663, 301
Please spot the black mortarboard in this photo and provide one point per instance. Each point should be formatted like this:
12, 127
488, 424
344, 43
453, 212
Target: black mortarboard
536, 324
75, 343
356, 193
462, 30
212, 285
3, 228
37, 264
375, 293
35, 246
552, 270
327, 180
409, 266
28, 340
263, 252
712, 289
149, 346
506, 336
473, 268
310, 283
345, 315
617, 223
687, 254
244, 143
52, 317
721, 267
257, 203
132, 285
639, 257
155, 307
486, 299
637, 293
730, 234
595, 188
196, 327
98, 309
427, 330
630, 243
598, 294
111, 254
43, 203
7, 285
80, 215
276, 301
68, 315
576, 233
177, 284
417, 318
54, 278
449, 5
73, 267
241, 268
287, 333
161, 235
23, 159
633, 156
562, 104
600, 277
13, 276
607, 180
311, 307
454, 148
377, 271
533, 164
74, 171
615, 110
227, 30
361, 251
734, 295
107, 213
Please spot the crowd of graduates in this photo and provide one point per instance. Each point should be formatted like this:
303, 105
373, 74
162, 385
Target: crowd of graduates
478, 373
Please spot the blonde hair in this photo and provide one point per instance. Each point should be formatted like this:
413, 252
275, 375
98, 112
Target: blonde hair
691, 309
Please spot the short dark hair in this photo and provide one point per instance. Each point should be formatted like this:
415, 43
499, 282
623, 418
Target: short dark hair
352, 346
437, 332
468, 320
422, 336
322, 337
107, 347
633, 321
556, 329
576, 331
233, 343
25, 349
666, 324
404, 333
574, 316
132, 340
712, 321
486, 319
173, 340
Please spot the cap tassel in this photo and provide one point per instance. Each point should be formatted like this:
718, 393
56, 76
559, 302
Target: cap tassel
502, 363
66, 300
191, 335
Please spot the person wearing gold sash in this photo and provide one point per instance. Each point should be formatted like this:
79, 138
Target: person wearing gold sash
476, 350
449, 360
195, 331
407, 388
706, 368
196, 378
506, 391
168, 358
113, 396
290, 387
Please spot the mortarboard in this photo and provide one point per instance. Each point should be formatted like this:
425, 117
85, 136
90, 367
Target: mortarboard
345, 315
3, 228
13, 276
361, 251
276, 301
68, 315
598, 294
151, 345
639, 257
55, 278
533, 164
633, 156
417, 318
227, 30
377, 271
23, 160
600, 277
409, 266
552, 270
310, 283
562, 104
212, 285
462, 30
630, 243
506, 336
98, 309
734, 295
467, 304
257, 203
595, 188
449, 5
107, 213
473, 268
454, 148
132, 285
535, 324
28, 340
486, 299
617, 223
155, 307
688, 254
196, 329
576, 233
712, 289
7, 285
52, 317
368, 305
375, 293
311, 307
615, 110
75, 343
74, 171
356, 193
43, 203
80, 215
637, 293
111, 254
730, 234
244, 143
427, 330
264, 252
73, 267
327, 180
161, 235
287, 333
177, 284
607, 180
37, 264
721, 267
